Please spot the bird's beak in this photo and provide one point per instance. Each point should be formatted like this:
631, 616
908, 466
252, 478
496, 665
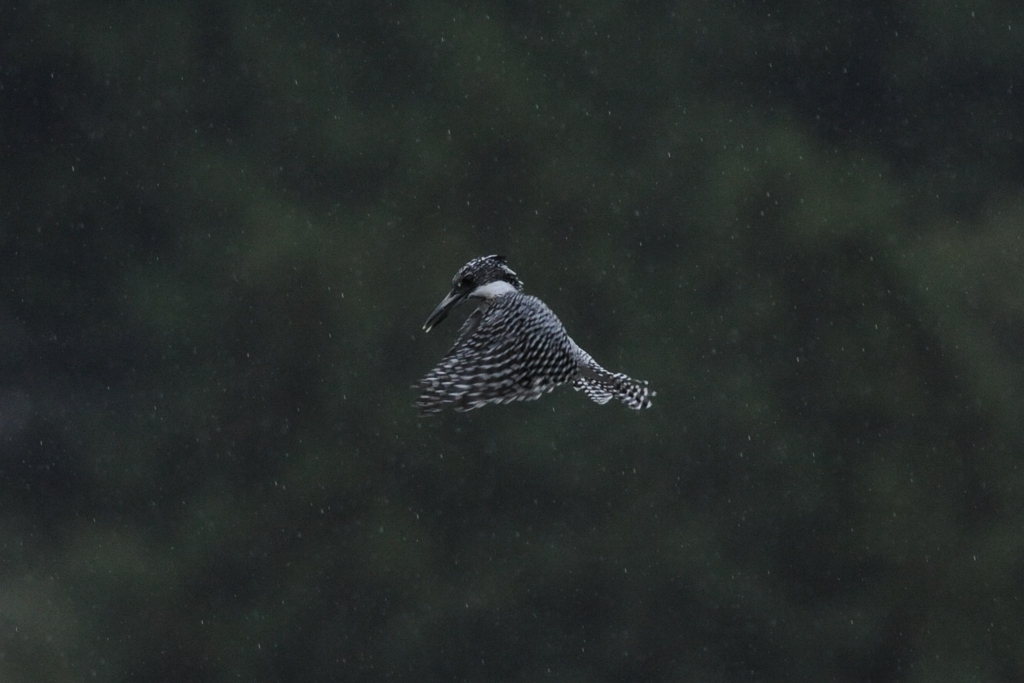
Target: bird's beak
453, 299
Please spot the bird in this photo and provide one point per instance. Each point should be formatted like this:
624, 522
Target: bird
512, 347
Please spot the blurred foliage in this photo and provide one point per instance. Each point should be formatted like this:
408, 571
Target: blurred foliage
222, 224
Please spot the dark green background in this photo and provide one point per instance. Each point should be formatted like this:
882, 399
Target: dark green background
222, 225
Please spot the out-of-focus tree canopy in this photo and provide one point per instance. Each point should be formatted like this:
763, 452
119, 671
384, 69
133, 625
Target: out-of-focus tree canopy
223, 223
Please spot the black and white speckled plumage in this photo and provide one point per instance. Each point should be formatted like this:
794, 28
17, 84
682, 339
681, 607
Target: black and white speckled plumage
512, 348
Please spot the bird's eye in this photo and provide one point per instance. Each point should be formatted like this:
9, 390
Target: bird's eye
466, 281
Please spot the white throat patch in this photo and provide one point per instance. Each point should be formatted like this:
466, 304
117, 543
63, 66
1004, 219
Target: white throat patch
492, 289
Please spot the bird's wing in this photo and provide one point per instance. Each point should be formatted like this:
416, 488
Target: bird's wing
505, 352
468, 328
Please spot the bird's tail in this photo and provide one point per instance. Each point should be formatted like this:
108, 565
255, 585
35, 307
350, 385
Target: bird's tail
602, 386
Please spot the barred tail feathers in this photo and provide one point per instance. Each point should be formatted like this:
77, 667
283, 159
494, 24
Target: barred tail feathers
601, 386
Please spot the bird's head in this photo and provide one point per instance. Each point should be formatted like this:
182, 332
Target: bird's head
484, 277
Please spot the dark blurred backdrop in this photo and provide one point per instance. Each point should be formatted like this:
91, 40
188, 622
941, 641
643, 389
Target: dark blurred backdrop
222, 225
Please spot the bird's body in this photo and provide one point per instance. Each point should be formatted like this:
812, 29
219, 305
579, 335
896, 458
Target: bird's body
512, 348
